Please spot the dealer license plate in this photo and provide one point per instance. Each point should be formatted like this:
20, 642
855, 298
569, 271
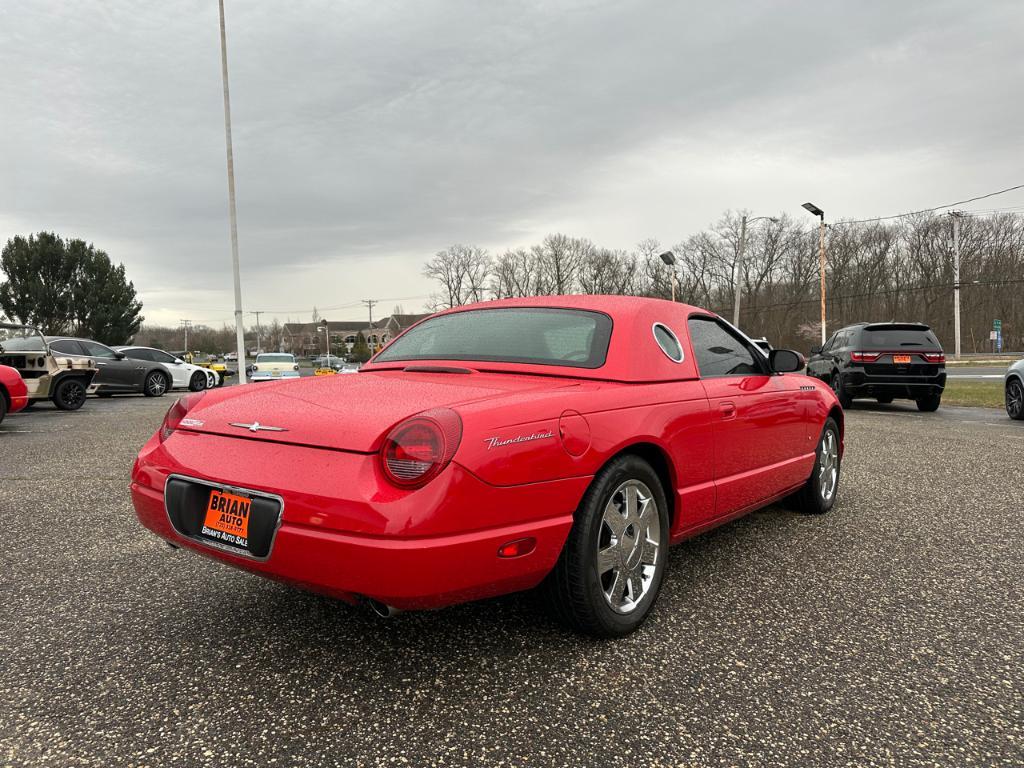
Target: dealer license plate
227, 518
901, 359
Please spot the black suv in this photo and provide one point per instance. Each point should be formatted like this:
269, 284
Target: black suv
884, 361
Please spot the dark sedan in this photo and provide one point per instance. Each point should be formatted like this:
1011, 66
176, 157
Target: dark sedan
117, 373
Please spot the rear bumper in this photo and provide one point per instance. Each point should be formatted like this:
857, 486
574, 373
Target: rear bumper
412, 550
18, 402
859, 384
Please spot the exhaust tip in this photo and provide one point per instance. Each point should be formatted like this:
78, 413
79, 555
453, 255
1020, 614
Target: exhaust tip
383, 610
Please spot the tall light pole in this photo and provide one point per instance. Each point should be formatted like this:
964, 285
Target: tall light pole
738, 264
816, 211
955, 215
239, 327
670, 261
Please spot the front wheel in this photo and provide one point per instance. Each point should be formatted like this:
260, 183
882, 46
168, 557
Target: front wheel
1015, 399
3, 407
929, 403
155, 384
819, 493
198, 382
69, 395
609, 574
840, 389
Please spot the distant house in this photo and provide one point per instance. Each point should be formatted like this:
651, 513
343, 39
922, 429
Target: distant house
305, 339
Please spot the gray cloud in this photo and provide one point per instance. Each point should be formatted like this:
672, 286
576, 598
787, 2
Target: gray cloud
368, 135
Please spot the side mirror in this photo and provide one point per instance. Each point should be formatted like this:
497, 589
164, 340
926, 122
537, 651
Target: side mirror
786, 361
178, 361
816, 350
119, 355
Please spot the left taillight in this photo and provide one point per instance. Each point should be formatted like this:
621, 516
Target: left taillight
865, 357
177, 412
419, 448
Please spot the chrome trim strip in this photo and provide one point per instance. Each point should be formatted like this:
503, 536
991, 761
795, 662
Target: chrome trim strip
230, 489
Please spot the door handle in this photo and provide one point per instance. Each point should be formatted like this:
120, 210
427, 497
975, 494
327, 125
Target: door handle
99, 362
727, 409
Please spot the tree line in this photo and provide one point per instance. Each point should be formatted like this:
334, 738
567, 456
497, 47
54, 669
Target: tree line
877, 271
67, 287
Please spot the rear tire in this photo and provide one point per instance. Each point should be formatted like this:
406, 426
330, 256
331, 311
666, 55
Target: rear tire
819, 493
155, 384
840, 389
1015, 399
929, 403
609, 573
198, 382
69, 395
3, 407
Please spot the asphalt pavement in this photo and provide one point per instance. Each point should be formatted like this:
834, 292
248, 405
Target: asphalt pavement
887, 633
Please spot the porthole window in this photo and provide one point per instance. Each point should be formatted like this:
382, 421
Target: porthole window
668, 342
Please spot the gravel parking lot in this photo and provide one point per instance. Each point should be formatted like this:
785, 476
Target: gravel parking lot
890, 632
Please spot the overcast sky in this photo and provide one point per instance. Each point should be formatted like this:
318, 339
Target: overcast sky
368, 135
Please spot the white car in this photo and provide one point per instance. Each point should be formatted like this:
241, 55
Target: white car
271, 366
183, 375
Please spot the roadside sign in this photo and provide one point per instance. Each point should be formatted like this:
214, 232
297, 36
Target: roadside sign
992, 335
997, 325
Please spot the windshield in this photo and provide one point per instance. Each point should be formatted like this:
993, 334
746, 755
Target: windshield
541, 336
275, 359
21, 339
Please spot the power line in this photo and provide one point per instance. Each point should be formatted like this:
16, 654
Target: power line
932, 210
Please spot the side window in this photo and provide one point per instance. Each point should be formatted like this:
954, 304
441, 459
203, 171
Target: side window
161, 357
97, 350
66, 347
831, 342
143, 354
718, 351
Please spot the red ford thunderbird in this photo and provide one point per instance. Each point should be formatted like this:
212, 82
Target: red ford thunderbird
13, 392
563, 442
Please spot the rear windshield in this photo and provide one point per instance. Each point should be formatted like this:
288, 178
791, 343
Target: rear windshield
275, 359
897, 338
543, 336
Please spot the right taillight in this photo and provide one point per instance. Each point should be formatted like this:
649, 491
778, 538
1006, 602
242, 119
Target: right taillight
934, 357
865, 357
416, 450
177, 412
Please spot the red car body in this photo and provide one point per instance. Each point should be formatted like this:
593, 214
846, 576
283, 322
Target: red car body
12, 390
495, 517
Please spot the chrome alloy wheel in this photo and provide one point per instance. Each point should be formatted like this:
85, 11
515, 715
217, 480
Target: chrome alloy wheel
828, 465
628, 544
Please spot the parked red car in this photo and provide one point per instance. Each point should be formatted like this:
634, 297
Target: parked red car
557, 441
13, 392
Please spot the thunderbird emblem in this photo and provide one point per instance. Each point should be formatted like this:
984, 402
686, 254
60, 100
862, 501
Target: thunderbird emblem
256, 427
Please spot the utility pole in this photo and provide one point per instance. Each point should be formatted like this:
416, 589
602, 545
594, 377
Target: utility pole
239, 327
369, 305
186, 324
955, 215
816, 211
737, 267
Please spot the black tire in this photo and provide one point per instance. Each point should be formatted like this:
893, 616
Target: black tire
155, 384
884, 400
198, 382
840, 389
810, 499
574, 590
69, 395
929, 403
1015, 399
3, 407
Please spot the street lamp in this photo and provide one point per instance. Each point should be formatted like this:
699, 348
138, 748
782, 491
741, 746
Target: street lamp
670, 261
327, 341
816, 211
737, 265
